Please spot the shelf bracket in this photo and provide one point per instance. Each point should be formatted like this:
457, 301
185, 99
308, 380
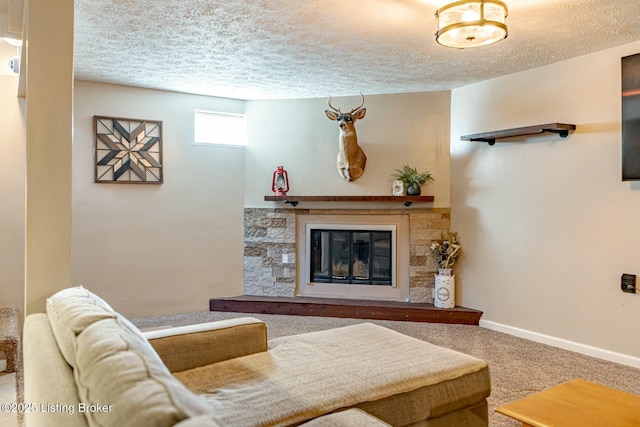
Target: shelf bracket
407, 204
490, 141
562, 132
292, 203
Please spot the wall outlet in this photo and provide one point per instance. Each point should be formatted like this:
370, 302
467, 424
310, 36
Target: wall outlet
628, 283
14, 64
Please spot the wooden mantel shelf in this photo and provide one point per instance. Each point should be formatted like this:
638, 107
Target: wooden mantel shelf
561, 129
293, 200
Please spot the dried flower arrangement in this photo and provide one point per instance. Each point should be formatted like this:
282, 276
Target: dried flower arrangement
446, 250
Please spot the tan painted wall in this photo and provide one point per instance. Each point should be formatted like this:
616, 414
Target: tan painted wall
547, 225
12, 184
49, 135
397, 129
158, 249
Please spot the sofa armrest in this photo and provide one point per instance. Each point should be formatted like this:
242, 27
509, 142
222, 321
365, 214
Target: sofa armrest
48, 378
187, 347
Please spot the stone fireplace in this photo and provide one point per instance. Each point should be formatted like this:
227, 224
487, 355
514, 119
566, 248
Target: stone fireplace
277, 252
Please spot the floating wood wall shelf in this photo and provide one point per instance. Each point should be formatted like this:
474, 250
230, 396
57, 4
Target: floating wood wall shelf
561, 129
293, 200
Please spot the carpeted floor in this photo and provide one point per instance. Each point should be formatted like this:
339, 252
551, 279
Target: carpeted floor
518, 367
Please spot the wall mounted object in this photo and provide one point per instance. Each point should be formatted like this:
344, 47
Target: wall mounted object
293, 200
128, 150
13, 42
471, 23
561, 129
351, 159
631, 118
14, 64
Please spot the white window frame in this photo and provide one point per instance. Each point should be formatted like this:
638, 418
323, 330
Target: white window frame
214, 139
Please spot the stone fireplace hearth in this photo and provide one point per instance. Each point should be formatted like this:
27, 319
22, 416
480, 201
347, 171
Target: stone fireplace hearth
273, 265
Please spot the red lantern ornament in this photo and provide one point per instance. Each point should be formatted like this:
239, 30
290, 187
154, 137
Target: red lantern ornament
280, 182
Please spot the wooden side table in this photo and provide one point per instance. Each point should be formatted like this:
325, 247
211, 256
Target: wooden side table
577, 403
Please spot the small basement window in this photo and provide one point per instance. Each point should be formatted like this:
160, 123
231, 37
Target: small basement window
214, 128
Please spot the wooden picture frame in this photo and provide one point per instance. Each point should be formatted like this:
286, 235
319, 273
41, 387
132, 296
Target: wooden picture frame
397, 188
127, 151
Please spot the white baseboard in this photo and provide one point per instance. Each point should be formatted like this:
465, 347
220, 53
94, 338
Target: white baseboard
588, 350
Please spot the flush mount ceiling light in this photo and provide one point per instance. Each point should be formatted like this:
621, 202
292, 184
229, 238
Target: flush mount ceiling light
471, 23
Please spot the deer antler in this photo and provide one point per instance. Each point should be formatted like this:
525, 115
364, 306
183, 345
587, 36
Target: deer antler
359, 106
337, 110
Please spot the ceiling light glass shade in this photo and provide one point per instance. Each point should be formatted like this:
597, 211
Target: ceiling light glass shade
471, 23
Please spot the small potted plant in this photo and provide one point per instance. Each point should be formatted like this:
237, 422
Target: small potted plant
412, 179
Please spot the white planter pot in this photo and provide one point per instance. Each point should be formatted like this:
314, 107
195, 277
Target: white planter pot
444, 294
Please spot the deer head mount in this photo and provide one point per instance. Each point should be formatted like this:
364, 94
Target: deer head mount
351, 158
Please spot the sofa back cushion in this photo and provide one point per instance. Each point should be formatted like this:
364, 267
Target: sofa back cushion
120, 378
118, 371
70, 311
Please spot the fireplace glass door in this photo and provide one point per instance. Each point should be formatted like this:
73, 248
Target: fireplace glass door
360, 257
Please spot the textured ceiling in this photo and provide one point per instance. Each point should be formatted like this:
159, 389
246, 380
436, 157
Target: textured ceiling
270, 49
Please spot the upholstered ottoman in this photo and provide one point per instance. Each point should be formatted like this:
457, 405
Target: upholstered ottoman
398, 379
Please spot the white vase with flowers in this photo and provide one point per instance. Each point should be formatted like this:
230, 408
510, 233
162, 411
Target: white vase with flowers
446, 252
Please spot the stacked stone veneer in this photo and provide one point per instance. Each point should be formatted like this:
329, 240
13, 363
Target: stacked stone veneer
271, 233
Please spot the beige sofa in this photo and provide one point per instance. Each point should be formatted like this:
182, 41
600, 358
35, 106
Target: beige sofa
87, 365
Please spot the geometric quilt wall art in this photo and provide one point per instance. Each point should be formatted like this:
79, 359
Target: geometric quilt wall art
127, 150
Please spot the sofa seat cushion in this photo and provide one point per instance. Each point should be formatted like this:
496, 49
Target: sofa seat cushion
348, 418
306, 376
